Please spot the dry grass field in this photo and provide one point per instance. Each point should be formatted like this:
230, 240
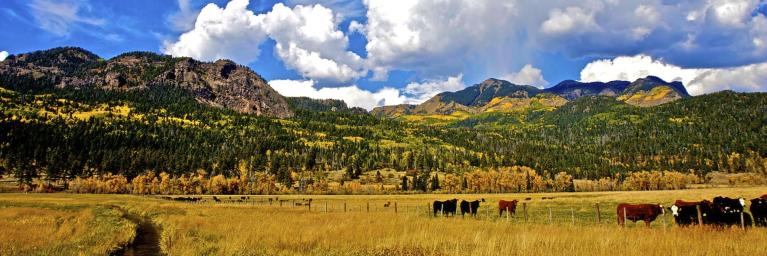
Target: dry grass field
67, 224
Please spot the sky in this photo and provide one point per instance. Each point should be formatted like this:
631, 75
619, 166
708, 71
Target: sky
383, 52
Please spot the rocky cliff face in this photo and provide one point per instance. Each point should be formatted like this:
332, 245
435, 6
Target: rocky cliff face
222, 83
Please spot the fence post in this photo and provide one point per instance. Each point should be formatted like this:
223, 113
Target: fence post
742, 221
551, 218
524, 209
624, 217
395, 207
442, 209
326, 206
700, 215
344, 206
309, 206
368, 209
598, 215
572, 215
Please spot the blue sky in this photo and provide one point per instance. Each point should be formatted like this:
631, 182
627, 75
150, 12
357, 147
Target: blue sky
383, 52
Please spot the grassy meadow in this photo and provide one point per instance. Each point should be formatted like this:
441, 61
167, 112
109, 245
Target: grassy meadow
71, 224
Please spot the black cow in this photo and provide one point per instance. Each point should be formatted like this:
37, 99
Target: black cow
727, 212
446, 207
686, 213
470, 207
759, 210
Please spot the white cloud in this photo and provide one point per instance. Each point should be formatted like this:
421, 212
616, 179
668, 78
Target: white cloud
232, 33
344, 8
413, 93
631, 68
568, 20
420, 92
437, 38
307, 39
57, 17
733, 12
352, 95
3, 55
183, 20
748, 78
528, 75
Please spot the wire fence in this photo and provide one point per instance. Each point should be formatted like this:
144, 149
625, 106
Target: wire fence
533, 212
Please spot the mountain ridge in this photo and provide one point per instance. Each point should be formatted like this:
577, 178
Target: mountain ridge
473, 99
222, 83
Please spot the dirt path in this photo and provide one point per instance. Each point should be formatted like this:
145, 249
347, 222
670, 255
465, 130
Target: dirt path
147, 241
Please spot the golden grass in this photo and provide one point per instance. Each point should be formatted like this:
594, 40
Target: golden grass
257, 228
32, 230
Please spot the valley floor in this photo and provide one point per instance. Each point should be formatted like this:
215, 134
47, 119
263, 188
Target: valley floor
67, 224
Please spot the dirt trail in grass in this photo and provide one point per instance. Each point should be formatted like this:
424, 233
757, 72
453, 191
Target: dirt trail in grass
147, 241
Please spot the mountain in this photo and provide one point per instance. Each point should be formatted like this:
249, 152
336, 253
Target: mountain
470, 100
493, 95
322, 105
221, 84
571, 90
142, 112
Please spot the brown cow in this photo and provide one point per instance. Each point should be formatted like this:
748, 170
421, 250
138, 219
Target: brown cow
510, 206
636, 212
681, 203
764, 196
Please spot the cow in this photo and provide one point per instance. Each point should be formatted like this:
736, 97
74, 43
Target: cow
759, 210
764, 197
636, 212
686, 213
510, 206
470, 207
729, 212
729, 205
446, 207
387, 204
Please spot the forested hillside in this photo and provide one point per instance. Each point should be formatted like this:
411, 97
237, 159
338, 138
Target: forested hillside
64, 132
81, 132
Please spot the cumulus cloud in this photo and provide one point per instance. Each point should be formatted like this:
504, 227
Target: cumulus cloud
441, 38
58, 17
748, 78
569, 20
528, 75
352, 95
437, 38
307, 39
420, 92
3, 55
232, 32
733, 12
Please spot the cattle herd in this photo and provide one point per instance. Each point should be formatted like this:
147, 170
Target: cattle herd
720, 212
